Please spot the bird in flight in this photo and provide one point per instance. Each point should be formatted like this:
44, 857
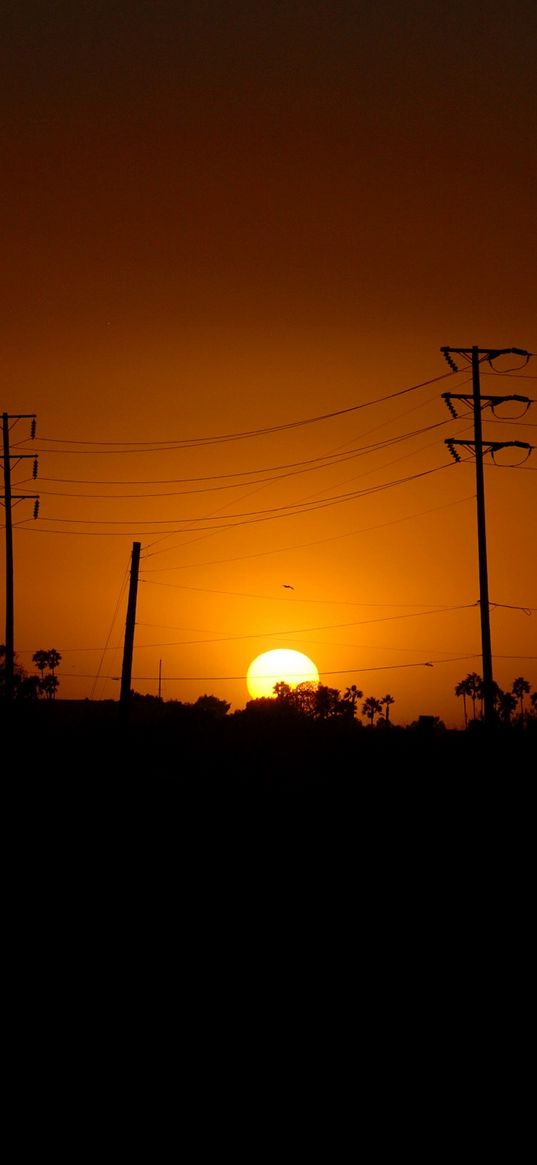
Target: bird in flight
288, 586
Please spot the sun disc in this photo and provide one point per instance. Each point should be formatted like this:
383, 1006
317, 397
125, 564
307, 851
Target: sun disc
280, 665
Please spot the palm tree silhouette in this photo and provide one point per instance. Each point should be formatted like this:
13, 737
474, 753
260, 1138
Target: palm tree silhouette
351, 695
520, 688
40, 658
387, 700
471, 686
506, 706
371, 707
50, 659
54, 658
49, 685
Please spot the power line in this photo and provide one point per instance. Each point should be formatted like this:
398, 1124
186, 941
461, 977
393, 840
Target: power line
307, 630
251, 517
325, 672
299, 601
339, 451
195, 442
297, 545
308, 498
106, 648
295, 468
280, 634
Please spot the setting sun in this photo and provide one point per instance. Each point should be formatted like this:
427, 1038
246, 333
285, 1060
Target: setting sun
291, 667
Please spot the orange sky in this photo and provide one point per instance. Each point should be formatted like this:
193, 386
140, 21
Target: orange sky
226, 217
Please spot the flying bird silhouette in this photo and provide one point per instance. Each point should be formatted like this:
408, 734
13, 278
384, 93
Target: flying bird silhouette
288, 586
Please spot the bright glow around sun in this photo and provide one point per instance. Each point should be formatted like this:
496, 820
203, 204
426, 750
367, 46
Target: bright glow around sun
273, 667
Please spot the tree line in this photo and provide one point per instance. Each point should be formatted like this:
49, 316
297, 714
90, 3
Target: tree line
316, 701
517, 705
31, 687
509, 706
322, 702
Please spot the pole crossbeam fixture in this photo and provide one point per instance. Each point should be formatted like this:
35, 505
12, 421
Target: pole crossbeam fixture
20, 498
475, 356
16, 457
486, 401
488, 354
487, 446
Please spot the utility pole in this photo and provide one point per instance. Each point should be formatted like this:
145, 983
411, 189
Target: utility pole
484, 605
476, 356
126, 673
8, 499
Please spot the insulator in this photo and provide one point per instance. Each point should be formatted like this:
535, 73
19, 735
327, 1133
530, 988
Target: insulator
34, 471
449, 360
452, 450
446, 396
36, 509
33, 428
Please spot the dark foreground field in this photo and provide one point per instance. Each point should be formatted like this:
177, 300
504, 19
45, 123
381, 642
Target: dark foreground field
169, 843
252, 910
176, 746
164, 758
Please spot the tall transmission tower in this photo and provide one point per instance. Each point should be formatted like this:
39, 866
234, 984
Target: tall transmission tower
8, 420
478, 402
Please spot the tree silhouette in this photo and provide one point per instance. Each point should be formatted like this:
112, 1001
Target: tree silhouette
305, 698
472, 686
40, 658
47, 658
28, 688
328, 702
212, 706
54, 659
371, 707
506, 706
49, 685
21, 689
520, 688
282, 692
318, 701
387, 700
350, 698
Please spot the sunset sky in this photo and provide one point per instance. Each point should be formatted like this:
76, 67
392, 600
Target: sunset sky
235, 237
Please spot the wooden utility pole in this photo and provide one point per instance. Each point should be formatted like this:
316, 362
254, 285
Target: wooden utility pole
126, 672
